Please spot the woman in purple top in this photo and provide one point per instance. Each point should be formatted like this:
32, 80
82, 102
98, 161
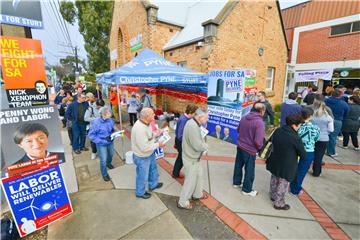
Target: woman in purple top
189, 113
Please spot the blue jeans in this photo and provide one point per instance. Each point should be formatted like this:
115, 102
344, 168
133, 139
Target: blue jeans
244, 159
106, 153
332, 137
303, 168
146, 171
78, 135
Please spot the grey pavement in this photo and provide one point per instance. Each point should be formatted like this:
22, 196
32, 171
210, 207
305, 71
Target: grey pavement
336, 192
110, 210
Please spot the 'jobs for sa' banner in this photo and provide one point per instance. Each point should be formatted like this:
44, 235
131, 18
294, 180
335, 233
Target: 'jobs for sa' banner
37, 199
23, 71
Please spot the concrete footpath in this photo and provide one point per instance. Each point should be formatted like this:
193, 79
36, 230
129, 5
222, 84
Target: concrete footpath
110, 210
329, 209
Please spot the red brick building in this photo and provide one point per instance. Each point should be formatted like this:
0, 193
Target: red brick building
324, 35
205, 35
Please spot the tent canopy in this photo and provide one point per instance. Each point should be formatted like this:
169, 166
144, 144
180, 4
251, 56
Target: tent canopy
150, 68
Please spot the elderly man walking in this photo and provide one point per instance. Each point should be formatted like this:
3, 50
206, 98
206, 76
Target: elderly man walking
143, 144
251, 133
193, 147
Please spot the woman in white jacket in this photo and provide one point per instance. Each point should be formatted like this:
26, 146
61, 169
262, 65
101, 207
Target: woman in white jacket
91, 114
322, 118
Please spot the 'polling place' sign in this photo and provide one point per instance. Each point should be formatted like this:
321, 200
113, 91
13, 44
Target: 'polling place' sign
37, 198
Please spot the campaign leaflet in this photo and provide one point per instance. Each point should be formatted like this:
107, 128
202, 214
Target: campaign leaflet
37, 198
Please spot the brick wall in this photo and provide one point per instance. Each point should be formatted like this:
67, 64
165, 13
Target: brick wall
249, 26
130, 18
318, 46
190, 53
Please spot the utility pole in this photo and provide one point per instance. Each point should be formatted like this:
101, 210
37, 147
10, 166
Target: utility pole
76, 59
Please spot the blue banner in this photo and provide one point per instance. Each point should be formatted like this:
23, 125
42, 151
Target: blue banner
20, 21
37, 199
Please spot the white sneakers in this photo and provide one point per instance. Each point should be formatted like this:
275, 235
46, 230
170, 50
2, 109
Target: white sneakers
93, 156
237, 186
253, 193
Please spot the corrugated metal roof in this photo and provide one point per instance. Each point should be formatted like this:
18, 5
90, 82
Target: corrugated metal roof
189, 13
318, 11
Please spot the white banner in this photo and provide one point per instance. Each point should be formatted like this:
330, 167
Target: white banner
314, 75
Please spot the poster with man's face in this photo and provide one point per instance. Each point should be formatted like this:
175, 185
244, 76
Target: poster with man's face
30, 133
22, 66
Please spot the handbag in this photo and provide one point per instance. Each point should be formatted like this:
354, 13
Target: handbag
267, 147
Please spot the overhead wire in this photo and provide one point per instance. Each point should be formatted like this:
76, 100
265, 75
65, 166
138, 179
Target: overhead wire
59, 23
65, 25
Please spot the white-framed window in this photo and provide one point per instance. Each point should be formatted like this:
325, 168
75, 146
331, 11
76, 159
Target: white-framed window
270, 78
345, 28
182, 64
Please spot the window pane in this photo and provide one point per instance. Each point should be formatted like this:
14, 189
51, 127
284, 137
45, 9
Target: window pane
341, 29
356, 26
270, 72
268, 83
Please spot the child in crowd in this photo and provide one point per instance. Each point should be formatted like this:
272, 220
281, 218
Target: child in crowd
309, 134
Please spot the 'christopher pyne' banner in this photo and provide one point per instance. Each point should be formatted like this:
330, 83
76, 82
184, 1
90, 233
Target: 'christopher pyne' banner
23, 71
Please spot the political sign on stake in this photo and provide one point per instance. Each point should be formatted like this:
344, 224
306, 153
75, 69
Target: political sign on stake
30, 133
229, 99
23, 71
37, 198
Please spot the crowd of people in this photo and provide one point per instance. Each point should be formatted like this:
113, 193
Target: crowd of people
306, 133
86, 113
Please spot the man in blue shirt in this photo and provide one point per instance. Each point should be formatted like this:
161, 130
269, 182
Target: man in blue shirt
289, 107
339, 109
189, 113
76, 113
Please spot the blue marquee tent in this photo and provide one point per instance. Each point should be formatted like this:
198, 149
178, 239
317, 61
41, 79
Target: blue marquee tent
148, 68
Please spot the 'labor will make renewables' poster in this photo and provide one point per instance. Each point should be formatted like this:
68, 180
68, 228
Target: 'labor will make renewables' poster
23, 70
225, 101
37, 198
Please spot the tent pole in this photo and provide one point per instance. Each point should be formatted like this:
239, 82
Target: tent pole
120, 119
119, 106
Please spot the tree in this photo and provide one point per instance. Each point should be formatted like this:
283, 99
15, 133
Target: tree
94, 19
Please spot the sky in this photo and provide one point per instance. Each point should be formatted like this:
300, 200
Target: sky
53, 38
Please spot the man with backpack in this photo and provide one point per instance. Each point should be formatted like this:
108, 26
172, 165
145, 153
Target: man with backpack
145, 99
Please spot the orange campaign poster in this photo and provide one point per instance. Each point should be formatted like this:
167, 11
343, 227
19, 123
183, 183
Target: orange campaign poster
23, 71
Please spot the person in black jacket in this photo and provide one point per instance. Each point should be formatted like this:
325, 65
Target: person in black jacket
261, 97
351, 123
283, 161
310, 97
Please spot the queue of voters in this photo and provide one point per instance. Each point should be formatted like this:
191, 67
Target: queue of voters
308, 130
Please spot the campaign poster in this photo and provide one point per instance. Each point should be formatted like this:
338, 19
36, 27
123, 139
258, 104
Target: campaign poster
21, 13
30, 133
225, 102
23, 70
159, 153
37, 199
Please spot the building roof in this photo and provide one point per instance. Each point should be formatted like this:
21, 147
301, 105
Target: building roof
318, 11
190, 14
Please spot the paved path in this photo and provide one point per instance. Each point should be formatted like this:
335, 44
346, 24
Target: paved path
110, 210
328, 210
